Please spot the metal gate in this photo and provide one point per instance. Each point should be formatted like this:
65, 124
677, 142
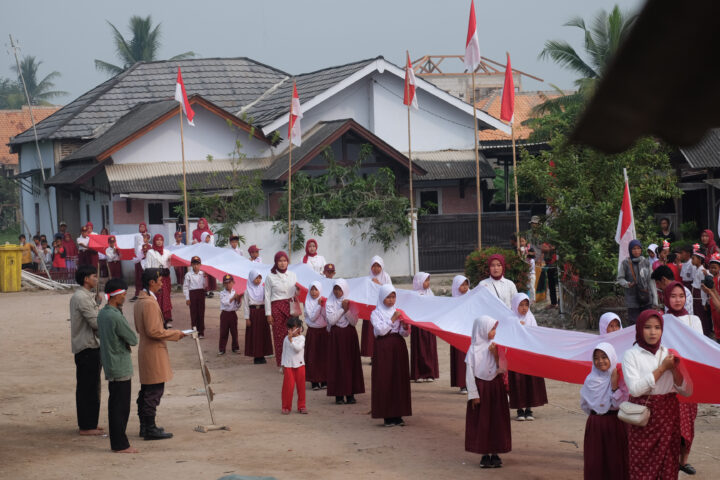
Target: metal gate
444, 241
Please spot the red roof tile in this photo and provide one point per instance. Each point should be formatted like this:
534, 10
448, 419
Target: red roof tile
13, 122
524, 103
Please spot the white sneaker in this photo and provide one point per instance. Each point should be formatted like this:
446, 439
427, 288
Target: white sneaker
429, 379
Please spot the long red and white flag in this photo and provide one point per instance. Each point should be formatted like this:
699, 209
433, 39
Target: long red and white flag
409, 98
507, 109
626, 225
294, 132
181, 97
472, 44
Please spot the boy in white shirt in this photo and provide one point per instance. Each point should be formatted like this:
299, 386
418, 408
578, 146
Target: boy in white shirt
194, 291
235, 244
230, 302
293, 362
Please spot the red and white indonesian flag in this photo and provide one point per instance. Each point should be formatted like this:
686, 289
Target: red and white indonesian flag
294, 132
507, 109
626, 225
472, 44
181, 97
409, 98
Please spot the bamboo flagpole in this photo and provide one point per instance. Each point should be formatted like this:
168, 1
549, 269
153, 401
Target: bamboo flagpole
410, 100
181, 97
517, 203
290, 197
478, 192
472, 60
294, 137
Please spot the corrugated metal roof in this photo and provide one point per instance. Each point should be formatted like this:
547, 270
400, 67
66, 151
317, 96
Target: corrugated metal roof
451, 165
705, 154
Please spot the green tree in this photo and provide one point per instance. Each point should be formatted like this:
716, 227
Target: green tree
142, 47
40, 91
11, 96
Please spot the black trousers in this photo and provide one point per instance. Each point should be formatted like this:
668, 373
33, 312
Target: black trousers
552, 273
87, 391
149, 399
118, 413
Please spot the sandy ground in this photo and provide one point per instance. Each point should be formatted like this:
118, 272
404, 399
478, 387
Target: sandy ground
39, 438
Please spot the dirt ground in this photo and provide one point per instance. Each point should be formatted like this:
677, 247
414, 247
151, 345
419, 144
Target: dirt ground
38, 430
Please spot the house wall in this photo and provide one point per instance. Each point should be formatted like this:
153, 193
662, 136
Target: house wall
453, 204
122, 216
28, 161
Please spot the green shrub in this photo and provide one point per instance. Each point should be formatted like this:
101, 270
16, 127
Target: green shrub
476, 267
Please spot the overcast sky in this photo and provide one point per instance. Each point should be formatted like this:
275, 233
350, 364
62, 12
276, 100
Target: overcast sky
293, 35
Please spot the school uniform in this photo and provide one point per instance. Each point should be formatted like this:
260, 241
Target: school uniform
179, 271
367, 338
280, 288
423, 344
390, 396
228, 320
687, 272
112, 256
502, 288
316, 340
160, 258
258, 338
457, 356
293, 362
345, 375
138, 268
237, 250
316, 262
700, 300
103, 266
194, 291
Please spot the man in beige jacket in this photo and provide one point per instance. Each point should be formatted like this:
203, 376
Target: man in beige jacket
153, 358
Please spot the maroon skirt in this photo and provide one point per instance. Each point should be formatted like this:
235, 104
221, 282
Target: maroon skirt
367, 339
654, 449
258, 341
457, 368
138, 278
180, 274
104, 272
423, 355
316, 354
91, 257
688, 412
606, 447
526, 390
115, 269
280, 310
344, 373
163, 297
487, 426
390, 396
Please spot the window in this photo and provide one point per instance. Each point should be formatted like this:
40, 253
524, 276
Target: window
128, 205
155, 213
37, 218
172, 212
87, 212
430, 201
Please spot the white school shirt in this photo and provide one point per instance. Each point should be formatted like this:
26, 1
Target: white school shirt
690, 321
293, 353
112, 255
504, 289
315, 317
687, 271
340, 318
688, 301
193, 281
227, 305
698, 278
279, 286
138, 255
83, 243
237, 250
246, 302
382, 326
154, 259
257, 260
317, 263
638, 366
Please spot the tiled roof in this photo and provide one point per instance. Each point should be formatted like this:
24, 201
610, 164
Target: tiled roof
451, 165
74, 175
705, 154
13, 122
524, 103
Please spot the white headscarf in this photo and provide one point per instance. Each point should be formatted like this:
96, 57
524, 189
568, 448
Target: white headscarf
334, 304
312, 305
256, 292
457, 281
203, 236
382, 277
596, 392
528, 318
478, 356
652, 247
606, 319
382, 310
418, 281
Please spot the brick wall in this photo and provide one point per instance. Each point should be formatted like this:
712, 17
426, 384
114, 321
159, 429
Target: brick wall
451, 202
121, 215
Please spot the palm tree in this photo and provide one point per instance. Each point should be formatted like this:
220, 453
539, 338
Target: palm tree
601, 42
142, 47
40, 92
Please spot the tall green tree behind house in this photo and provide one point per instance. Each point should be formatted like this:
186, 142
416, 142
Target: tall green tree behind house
40, 91
143, 46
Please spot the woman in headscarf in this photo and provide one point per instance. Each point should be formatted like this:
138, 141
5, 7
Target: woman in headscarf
258, 338
653, 379
314, 261
609, 322
634, 277
423, 344
707, 240
202, 227
460, 286
280, 289
159, 257
503, 288
344, 373
379, 276
390, 394
605, 447
487, 419
526, 391
316, 339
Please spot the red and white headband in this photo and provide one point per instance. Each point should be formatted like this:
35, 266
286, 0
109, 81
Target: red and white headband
114, 292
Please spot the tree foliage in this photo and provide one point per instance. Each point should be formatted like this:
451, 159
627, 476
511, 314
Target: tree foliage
344, 192
9, 202
40, 91
143, 46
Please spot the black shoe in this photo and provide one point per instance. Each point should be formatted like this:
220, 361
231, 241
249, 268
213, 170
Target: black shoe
350, 399
323, 385
339, 400
257, 361
399, 422
529, 415
485, 462
143, 425
153, 432
687, 468
315, 386
495, 461
389, 422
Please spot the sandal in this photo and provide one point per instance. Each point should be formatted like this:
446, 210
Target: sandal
689, 469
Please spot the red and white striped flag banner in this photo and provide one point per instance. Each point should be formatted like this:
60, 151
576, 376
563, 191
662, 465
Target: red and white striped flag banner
294, 132
626, 224
409, 98
472, 44
181, 97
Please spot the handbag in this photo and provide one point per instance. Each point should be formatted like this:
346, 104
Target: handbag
643, 296
295, 309
635, 413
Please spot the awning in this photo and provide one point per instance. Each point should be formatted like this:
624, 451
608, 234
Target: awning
74, 175
450, 165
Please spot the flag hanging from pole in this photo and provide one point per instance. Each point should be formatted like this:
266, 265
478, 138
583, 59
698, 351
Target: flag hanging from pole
472, 44
409, 98
507, 109
294, 133
626, 226
181, 97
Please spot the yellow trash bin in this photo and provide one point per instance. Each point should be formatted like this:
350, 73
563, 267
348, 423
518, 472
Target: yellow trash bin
10, 258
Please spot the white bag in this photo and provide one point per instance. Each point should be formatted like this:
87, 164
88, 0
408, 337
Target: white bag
634, 414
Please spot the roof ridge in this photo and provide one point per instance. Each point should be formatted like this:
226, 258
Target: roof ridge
264, 94
213, 58
367, 60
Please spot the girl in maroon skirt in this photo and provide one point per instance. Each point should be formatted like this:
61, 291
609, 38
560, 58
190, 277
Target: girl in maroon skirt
487, 421
526, 391
653, 380
258, 342
460, 287
423, 345
606, 448
344, 372
158, 257
316, 340
390, 370
112, 255
279, 290
379, 276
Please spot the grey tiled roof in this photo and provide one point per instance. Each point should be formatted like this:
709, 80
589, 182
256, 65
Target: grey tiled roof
230, 83
74, 174
451, 165
705, 154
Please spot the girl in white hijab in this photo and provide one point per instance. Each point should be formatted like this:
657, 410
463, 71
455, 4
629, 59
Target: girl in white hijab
258, 339
423, 344
609, 322
379, 276
523, 314
460, 286
487, 420
606, 445
316, 339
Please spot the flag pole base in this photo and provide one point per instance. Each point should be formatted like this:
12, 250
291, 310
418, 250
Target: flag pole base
210, 428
